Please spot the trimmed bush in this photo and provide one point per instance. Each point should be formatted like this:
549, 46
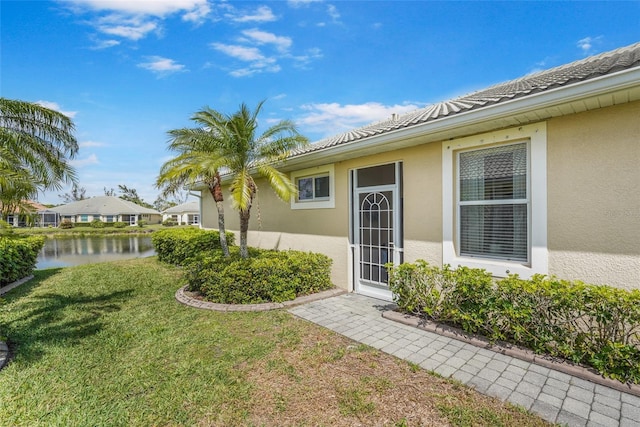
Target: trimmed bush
597, 326
119, 224
18, 257
266, 276
179, 246
96, 223
66, 224
169, 222
142, 223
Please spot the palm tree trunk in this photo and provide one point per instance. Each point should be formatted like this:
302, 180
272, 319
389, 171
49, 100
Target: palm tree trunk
216, 192
222, 230
244, 227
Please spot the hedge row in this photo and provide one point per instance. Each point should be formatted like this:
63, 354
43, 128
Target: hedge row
179, 246
266, 276
18, 257
597, 326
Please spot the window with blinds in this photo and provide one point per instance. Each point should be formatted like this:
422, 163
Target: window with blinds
493, 205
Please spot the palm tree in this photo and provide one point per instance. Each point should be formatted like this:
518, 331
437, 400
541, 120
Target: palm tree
36, 144
198, 160
245, 154
233, 148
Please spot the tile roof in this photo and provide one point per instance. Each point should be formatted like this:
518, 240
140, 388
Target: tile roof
193, 206
565, 75
103, 205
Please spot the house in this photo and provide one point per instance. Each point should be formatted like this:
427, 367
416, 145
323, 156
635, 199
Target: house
107, 209
183, 214
40, 216
539, 175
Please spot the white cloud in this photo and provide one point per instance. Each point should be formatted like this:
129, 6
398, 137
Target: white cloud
303, 60
261, 14
301, 3
587, 44
158, 8
333, 13
132, 28
55, 107
242, 53
198, 14
92, 159
104, 44
162, 66
333, 118
135, 19
258, 63
262, 37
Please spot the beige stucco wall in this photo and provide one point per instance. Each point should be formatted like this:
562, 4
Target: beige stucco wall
594, 196
275, 225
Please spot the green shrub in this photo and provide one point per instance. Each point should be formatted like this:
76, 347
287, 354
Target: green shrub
266, 276
66, 224
597, 326
96, 223
18, 257
179, 246
142, 223
6, 229
119, 224
169, 222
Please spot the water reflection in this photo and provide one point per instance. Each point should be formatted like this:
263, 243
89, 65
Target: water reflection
66, 252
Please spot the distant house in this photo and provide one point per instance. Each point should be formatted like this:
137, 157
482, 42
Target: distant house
40, 216
536, 175
184, 214
107, 209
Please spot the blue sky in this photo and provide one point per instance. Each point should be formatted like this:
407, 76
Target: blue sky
129, 71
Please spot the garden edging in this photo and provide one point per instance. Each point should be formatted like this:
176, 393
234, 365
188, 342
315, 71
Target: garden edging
185, 299
10, 286
512, 350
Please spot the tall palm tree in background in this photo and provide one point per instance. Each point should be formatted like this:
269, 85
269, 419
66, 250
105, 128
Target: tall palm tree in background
235, 150
36, 144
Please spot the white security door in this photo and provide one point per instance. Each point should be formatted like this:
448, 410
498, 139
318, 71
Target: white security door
376, 234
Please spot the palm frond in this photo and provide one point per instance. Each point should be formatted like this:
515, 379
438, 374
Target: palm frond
278, 181
242, 189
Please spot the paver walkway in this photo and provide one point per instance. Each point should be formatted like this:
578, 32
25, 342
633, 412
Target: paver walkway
555, 396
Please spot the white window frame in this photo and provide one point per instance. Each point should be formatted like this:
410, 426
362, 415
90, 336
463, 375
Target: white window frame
536, 136
316, 172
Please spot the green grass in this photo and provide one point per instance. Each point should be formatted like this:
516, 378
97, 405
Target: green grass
87, 230
108, 345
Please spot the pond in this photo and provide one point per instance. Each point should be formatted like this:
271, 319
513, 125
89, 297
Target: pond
70, 251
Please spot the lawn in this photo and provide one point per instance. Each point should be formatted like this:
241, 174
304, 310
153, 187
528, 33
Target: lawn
87, 230
108, 345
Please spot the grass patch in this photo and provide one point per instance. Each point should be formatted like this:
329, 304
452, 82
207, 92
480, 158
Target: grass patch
87, 230
108, 345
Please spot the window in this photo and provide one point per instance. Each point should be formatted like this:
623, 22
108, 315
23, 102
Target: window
84, 218
495, 201
493, 207
315, 188
108, 218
